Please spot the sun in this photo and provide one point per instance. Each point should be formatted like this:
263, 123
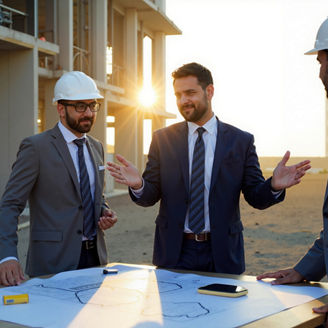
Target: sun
147, 96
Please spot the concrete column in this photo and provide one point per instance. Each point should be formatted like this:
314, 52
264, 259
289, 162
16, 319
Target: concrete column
141, 162
99, 39
19, 104
50, 111
99, 127
51, 9
131, 53
159, 72
158, 122
127, 121
126, 137
65, 34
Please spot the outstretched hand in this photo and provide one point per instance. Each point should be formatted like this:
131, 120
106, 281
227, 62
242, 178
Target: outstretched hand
286, 276
288, 176
126, 173
291, 276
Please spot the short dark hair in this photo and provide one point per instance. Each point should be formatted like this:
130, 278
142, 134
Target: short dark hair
203, 75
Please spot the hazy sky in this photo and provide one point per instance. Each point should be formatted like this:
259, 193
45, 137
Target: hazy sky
263, 82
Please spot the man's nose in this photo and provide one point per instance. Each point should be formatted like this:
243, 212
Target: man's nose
88, 111
184, 100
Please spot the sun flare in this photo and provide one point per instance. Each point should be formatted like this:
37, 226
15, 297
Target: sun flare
147, 96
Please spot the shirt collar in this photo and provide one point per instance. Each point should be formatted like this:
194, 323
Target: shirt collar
67, 134
210, 126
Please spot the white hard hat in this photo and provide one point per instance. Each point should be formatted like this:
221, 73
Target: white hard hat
76, 85
321, 42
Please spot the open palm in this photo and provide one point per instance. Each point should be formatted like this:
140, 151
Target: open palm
288, 176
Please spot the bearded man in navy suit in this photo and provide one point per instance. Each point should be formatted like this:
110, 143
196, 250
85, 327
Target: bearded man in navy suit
229, 166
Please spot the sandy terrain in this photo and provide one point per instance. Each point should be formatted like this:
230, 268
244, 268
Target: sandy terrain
274, 238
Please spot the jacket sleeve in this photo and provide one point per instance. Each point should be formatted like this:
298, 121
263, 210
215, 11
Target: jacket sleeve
256, 190
21, 181
312, 265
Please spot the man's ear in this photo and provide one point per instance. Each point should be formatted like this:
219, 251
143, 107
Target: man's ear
210, 91
61, 110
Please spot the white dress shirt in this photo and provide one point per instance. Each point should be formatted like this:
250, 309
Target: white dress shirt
73, 148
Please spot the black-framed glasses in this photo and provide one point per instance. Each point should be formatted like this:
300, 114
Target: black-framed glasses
81, 107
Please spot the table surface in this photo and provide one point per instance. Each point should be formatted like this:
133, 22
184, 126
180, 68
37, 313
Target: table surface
298, 316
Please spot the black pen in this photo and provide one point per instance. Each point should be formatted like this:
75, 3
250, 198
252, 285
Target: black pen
109, 271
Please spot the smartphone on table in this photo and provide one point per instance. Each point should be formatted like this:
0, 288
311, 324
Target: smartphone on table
223, 290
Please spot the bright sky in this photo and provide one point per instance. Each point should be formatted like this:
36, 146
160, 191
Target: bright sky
263, 82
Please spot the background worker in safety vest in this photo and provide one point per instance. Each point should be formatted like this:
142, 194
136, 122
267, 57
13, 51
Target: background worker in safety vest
61, 173
314, 265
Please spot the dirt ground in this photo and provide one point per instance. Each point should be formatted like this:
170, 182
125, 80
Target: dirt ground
274, 238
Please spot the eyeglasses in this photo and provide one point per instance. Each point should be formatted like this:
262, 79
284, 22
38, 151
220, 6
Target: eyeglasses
81, 107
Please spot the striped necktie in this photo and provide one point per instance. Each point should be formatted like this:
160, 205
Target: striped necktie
196, 209
89, 229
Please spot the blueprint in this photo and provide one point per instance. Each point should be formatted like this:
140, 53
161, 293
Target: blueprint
145, 297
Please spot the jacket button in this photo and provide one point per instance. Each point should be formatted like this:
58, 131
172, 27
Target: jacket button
79, 232
80, 207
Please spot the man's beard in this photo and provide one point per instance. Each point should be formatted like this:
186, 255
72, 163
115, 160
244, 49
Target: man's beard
198, 112
75, 124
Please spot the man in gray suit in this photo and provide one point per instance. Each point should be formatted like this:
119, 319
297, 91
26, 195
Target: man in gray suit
314, 265
61, 173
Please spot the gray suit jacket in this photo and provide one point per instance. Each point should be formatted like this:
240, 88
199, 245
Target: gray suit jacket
314, 265
44, 174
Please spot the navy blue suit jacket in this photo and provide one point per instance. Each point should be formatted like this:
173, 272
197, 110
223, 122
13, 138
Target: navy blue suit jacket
235, 169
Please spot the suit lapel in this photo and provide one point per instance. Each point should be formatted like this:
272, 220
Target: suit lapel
219, 151
60, 144
182, 152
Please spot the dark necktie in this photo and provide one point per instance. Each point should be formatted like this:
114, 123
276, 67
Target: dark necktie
89, 229
196, 209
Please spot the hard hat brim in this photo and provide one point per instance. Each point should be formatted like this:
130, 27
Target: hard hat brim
311, 52
82, 97
315, 50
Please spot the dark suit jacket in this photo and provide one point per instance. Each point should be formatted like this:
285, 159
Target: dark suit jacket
44, 174
235, 169
314, 264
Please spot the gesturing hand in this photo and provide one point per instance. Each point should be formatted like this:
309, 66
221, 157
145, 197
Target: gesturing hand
11, 273
107, 220
288, 176
287, 276
126, 173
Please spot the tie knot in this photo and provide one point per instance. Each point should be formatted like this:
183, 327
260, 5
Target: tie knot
79, 142
200, 131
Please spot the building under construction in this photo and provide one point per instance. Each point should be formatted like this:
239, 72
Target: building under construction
42, 39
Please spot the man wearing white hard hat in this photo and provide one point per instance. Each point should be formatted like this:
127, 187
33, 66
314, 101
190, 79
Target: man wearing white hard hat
61, 173
314, 265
